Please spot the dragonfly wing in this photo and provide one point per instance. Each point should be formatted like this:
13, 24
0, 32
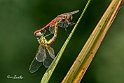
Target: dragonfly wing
41, 54
49, 58
34, 66
47, 61
51, 52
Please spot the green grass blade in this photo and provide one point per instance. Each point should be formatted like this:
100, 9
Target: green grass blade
50, 70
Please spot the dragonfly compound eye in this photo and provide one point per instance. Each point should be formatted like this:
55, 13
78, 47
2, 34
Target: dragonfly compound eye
39, 34
70, 18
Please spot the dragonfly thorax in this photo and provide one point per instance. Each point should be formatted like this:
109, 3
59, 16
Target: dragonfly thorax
42, 41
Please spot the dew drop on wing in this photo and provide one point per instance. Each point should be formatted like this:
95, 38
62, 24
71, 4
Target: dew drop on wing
35, 65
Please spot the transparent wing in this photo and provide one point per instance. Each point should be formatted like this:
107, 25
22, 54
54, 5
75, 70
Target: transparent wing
51, 52
34, 66
41, 54
49, 58
47, 61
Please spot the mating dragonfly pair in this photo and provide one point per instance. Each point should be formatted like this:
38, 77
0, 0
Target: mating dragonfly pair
45, 52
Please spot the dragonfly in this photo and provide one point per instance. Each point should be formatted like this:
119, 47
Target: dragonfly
45, 52
63, 20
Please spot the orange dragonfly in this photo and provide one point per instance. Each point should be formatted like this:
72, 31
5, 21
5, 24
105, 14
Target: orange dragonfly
63, 20
45, 52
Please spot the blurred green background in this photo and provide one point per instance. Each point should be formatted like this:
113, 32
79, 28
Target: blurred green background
20, 18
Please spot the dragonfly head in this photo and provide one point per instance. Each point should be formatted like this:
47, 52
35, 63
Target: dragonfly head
65, 16
38, 34
68, 15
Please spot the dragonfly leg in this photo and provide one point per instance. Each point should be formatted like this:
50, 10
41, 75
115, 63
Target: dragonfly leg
72, 23
47, 35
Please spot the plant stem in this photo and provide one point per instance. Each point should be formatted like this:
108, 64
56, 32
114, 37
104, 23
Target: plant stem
87, 53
